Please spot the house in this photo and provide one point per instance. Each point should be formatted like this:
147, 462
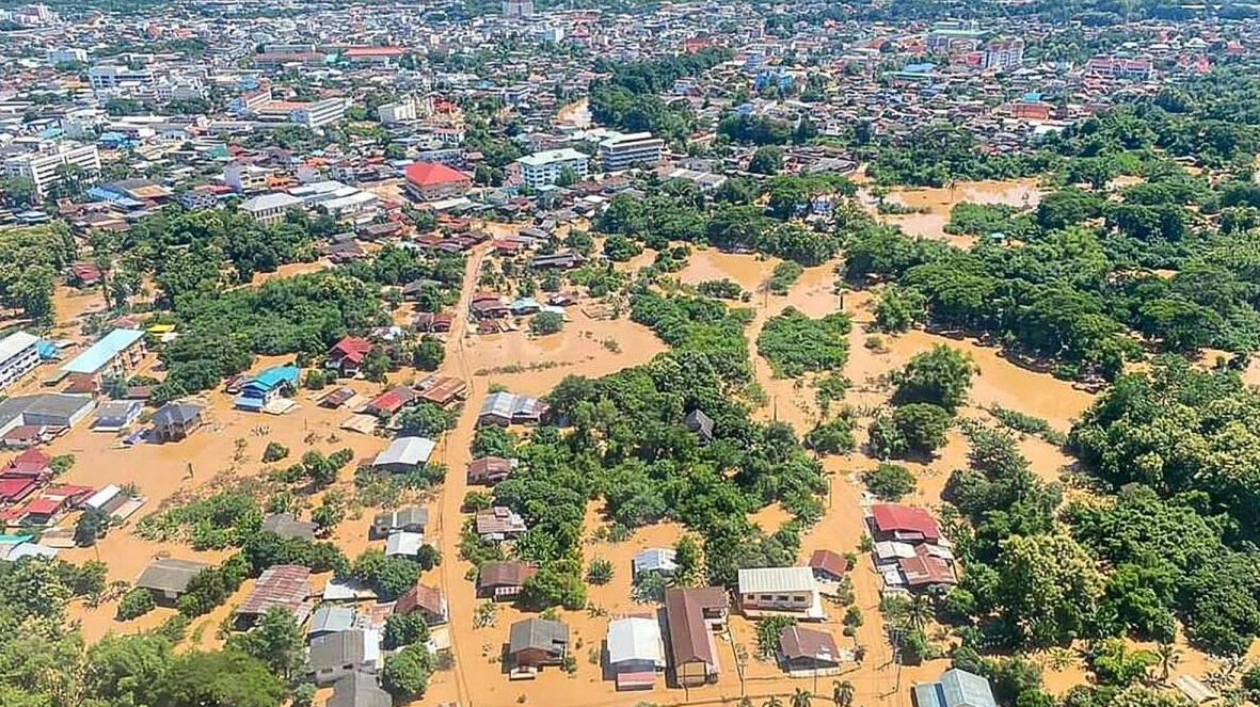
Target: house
828, 565
659, 560
337, 398
43, 510
346, 356
175, 421
30, 464
443, 391
403, 544
343, 653
359, 690
956, 688
84, 275
19, 355
692, 614
16, 489
807, 652
780, 590
286, 525
54, 411
503, 580
700, 424
557, 261
927, 569
405, 455
268, 385
328, 620
893, 521
636, 652
116, 415
407, 520
115, 355
388, 404
429, 323
534, 643
426, 600
280, 586
499, 523
432, 181
505, 409
488, 307
488, 471
167, 578
106, 500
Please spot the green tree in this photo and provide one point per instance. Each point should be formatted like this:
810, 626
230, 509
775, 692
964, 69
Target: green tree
842, 693
889, 482
227, 678
406, 673
941, 376
405, 630
1048, 588
766, 160
545, 323
429, 353
277, 641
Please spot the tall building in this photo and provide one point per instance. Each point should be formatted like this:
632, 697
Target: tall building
104, 77
66, 55
1004, 54
18, 356
41, 167
243, 178
403, 111
631, 150
319, 113
518, 8
543, 169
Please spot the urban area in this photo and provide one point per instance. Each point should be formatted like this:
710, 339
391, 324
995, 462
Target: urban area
616, 353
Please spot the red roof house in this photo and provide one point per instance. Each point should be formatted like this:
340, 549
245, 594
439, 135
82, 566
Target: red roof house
15, 489
347, 355
31, 462
894, 521
430, 181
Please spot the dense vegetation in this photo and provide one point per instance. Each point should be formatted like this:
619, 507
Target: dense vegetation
794, 343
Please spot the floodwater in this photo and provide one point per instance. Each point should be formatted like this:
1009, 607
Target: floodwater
936, 204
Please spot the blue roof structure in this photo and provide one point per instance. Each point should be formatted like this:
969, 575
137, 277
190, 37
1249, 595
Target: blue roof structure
918, 68
100, 354
274, 377
956, 688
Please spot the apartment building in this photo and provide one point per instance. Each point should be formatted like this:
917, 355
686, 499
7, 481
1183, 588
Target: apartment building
242, 178
632, 150
18, 357
107, 77
518, 8
66, 55
543, 169
269, 209
41, 167
1004, 54
180, 89
403, 111
318, 114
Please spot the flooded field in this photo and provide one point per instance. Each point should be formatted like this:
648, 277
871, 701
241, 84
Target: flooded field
933, 205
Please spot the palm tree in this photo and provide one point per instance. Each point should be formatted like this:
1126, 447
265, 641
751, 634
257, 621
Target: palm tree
1061, 658
842, 693
919, 612
1169, 656
801, 698
774, 701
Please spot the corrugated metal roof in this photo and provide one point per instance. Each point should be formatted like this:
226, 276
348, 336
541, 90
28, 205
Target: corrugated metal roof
103, 351
635, 638
768, 580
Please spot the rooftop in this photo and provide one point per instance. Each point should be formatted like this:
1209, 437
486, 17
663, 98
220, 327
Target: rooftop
103, 352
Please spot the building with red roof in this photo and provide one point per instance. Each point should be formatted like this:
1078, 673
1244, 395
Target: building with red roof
347, 355
15, 489
430, 181
378, 55
30, 463
43, 509
893, 521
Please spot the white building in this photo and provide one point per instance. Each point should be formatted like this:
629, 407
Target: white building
18, 356
543, 169
518, 8
180, 89
242, 178
632, 150
41, 167
270, 208
403, 111
320, 113
107, 77
66, 55
1004, 54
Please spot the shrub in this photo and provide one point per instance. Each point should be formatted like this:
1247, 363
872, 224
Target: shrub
889, 482
274, 452
136, 602
600, 571
545, 323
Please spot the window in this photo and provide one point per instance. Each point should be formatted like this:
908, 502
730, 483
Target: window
782, 598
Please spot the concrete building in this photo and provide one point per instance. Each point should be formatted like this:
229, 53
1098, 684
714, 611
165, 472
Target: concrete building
107, 77
242, 178
320, 113
180, 89
41, 167
116, 354
66, 55
1004, 54
780, 590
956, 688
543, 169
403, 111
631, 150
270, 208
518, 8
18, 357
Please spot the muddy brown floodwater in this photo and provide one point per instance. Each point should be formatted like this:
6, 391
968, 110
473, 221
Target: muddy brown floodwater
937, 203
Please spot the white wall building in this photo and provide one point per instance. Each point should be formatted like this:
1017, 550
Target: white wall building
242, 178
18, 357
107, 77
518, 8
66, 55
41, 167
403, 111
270, 208
181, 89
631, 150
543, 169
320, 113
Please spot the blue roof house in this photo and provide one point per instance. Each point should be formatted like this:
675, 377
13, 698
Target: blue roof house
115, 354
267, 386
956, 688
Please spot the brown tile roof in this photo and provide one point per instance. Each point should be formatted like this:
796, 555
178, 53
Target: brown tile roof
829, 561
421, 597
797, 642
688, 632
504, 574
